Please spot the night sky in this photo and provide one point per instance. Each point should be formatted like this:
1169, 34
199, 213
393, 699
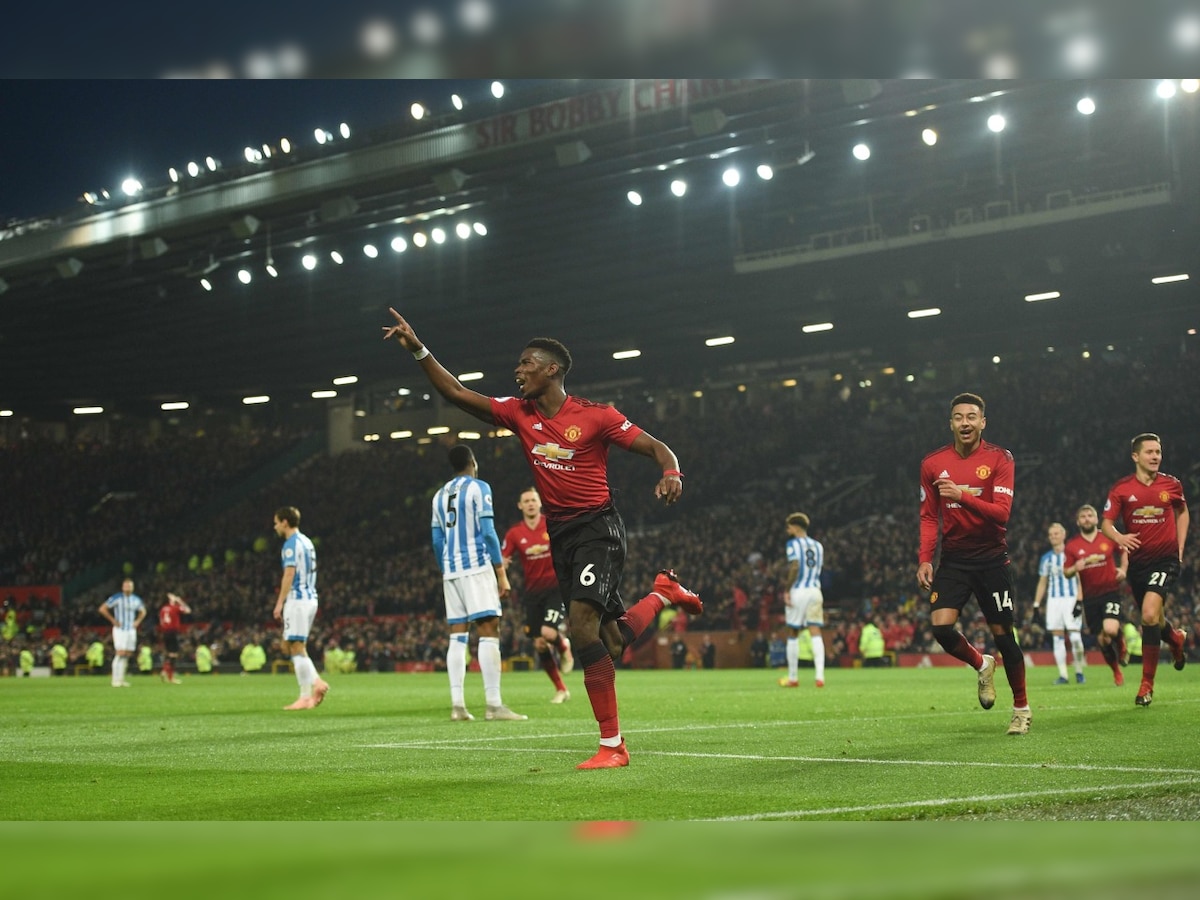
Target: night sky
64, 137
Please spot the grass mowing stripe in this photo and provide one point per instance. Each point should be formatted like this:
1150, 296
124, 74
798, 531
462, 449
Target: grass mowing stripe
705, 745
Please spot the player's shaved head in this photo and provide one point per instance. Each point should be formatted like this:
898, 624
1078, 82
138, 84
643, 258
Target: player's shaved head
555, 350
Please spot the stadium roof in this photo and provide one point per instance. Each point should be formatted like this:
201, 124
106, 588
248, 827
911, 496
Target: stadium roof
105, 305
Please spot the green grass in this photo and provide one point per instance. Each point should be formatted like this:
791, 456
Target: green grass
210, 787
705, 745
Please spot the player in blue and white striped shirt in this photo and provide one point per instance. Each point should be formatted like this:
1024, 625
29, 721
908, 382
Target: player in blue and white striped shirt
296, 605
805, 604
1064, 612
125, 611
473, 580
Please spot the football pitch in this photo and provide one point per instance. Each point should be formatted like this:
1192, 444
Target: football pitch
727, 745
725, 765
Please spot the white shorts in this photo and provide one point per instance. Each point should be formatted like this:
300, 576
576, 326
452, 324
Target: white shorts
807, 607
298, 617
125, 639
471, 597
1060, 614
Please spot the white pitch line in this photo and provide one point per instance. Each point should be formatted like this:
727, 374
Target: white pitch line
740, 726
1107, 789
485, 745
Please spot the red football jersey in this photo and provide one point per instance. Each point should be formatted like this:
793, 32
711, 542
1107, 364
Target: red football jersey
1099, 576
973, 529
170, 617
532, 547
1149, 510
568, 453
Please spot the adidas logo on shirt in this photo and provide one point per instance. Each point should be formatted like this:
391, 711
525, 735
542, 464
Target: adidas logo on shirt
944, 474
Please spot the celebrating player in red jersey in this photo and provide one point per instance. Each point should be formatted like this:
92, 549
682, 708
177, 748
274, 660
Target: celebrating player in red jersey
545, 616
1093, 558
1154, 521
967, 488
170, 623
566, 441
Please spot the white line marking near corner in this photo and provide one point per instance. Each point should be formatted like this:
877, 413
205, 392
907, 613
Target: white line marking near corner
1107, 790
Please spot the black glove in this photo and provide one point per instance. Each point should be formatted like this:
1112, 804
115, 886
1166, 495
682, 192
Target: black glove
1078, 610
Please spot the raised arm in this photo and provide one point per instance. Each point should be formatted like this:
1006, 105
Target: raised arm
443, 382
1182, 520
180, 602
670, 486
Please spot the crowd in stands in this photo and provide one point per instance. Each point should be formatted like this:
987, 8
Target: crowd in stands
847, 456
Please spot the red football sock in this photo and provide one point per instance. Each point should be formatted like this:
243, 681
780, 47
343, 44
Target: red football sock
1149, 661
963, 649
551, 668
1112, 655
1014, 667
638, 617
600, 681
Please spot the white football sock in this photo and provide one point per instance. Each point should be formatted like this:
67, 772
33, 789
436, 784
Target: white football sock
489, 667
818, 648
1060, 655
304, 674
456, 667
1077, 650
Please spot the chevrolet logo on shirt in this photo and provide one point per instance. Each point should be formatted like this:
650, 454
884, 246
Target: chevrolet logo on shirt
552, 452
1147, 512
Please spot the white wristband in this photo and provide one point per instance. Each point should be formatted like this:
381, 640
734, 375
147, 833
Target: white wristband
420, 354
